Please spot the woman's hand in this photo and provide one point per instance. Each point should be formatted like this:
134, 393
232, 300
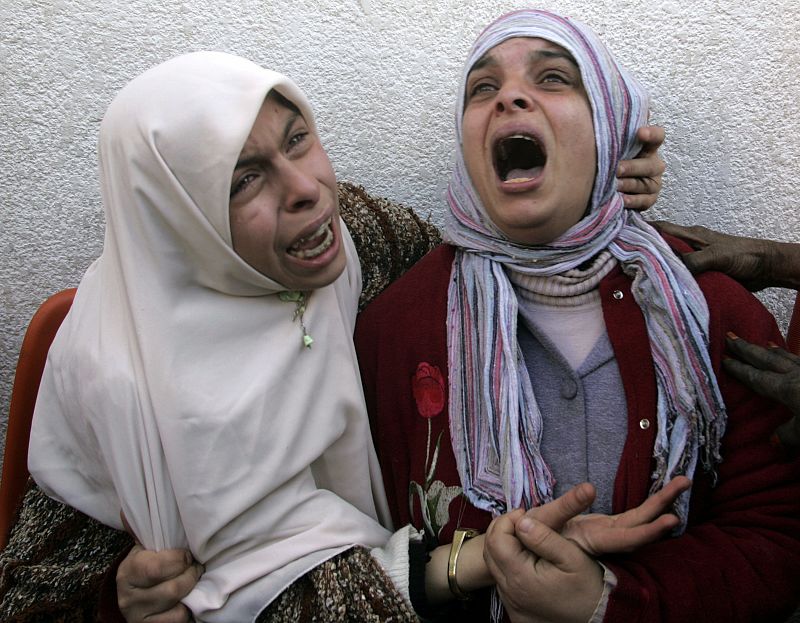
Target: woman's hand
541, 576
598, 534
150, 585
640, 179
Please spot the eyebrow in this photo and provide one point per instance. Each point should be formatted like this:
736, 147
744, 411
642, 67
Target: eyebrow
487, 60
248, 160
552, 54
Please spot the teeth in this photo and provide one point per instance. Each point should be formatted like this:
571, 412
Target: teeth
523, 137
324, 245
316, 234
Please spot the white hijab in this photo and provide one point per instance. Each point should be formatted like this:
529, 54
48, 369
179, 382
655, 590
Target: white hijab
178, 389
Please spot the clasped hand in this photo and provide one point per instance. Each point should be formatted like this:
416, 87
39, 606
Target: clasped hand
543, 560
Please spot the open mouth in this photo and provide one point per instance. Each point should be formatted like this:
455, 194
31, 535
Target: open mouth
518, 158
315, 244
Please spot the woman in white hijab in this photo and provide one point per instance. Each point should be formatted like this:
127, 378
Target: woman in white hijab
204, 383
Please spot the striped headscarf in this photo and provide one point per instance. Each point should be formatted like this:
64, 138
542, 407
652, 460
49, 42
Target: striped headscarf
495, 422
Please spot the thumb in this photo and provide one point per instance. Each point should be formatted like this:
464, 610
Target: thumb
547, 544
558, 512
701, 261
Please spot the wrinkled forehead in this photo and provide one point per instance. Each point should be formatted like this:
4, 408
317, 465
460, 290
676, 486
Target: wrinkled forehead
179, 127
618, 101
276, 117
562, 34
540, 48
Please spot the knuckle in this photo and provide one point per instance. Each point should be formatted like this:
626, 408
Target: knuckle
172, 591
178, 614
537, 537
181, 615
696, 229
127, 567
153, 571
650, 184
124, 602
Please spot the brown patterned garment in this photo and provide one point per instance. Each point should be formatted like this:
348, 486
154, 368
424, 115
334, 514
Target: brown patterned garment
389, 237
55, 562
57, 558
348, 588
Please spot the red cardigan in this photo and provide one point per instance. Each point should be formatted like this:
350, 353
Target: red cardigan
739, 559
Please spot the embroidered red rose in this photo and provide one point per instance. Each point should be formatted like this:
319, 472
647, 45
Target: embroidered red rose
428, 386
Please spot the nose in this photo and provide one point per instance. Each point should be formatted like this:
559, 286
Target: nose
512, 98
300, 186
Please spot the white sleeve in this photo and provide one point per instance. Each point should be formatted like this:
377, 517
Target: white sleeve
393, 558
609, 583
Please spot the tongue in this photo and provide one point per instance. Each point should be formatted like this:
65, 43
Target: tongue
519, 175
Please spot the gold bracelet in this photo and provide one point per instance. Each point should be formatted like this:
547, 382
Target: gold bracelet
459, 536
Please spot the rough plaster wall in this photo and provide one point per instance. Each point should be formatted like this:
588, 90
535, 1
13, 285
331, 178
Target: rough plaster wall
381, 76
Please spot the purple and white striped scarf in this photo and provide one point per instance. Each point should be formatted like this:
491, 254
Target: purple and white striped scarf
495, 422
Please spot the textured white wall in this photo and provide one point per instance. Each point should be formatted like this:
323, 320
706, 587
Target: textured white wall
381, 76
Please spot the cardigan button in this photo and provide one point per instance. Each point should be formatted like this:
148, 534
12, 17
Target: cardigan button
617, 294
644, 423
569, 389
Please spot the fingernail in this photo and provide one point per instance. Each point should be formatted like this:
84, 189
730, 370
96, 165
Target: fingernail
525, 525
775, 441
732, 335
772, 344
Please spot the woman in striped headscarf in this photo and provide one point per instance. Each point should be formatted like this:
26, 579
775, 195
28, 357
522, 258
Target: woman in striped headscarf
558, 339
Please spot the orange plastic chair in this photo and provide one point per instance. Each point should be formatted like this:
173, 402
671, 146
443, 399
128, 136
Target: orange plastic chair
32, 356
793, 335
